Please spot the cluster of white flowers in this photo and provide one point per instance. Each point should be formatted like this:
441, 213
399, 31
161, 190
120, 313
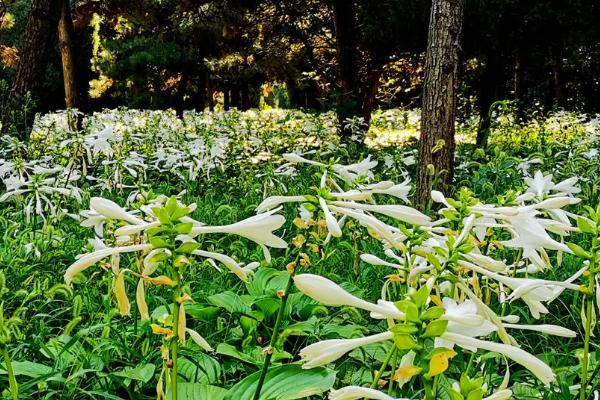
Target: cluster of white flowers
448, 262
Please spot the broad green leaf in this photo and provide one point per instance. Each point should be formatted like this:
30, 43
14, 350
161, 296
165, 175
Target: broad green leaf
27, 368
230, 302
141, 373
202, 368
286, 382
197, 391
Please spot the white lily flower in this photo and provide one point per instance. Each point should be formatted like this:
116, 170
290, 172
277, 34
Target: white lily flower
554, 330
358, 392
381, 230
328, 351
532, 291
539, 184
463, 319
540, 369
374, 260
229, 262
439, 197
400, 190
396, 211
258, 228
504, 394
112, 210
330, 220
199, 340
275, 201
329, 293
87, 260
407, 361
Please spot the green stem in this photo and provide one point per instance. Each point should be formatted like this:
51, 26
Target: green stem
175, 342
388, 357
274, 337
394, 364
428, 390
12, 381
586, 348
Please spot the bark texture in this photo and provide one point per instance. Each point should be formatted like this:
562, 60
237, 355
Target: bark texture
436, 147
39, 32
344, 19
65, 43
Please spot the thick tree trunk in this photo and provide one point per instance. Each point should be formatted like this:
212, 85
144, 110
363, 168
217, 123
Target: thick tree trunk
65, 43
41, 23
436, 147
344, 18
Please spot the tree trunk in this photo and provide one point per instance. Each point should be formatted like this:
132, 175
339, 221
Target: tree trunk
41, 23
344, 19
65, 43
369, 94
486, 96
436, 147
180, 95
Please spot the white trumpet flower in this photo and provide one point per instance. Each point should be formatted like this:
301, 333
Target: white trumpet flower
229, 262
554, 330
275, 201
328, 351
396, 211
112, 210
258, 228
358, 392
87, 260
329, 293
540, 369
532, 291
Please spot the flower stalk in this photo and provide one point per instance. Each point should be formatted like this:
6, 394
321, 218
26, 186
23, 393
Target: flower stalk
275, 335
12, 381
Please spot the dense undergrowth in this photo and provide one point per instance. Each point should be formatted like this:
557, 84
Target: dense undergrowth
78, 331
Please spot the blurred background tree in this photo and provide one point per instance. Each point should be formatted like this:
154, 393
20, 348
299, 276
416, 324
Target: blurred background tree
352, 57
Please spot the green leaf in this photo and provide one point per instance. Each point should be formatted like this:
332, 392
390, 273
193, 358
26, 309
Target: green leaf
433, 260
183, 228
432, 313
286, 382
405, 342
229, 301
404, 329
409, 308
579, 251
141, 373
197, 391
436, 328
187, 247
199, 368
157, 242
586, 225
27, 368
201, 312
253, 355
420, 297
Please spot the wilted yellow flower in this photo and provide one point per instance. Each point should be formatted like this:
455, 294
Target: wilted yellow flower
439, 362
313, 247
140, 299
181, 323
304, 260
299, 240
121, 295
161, 280
160, 330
